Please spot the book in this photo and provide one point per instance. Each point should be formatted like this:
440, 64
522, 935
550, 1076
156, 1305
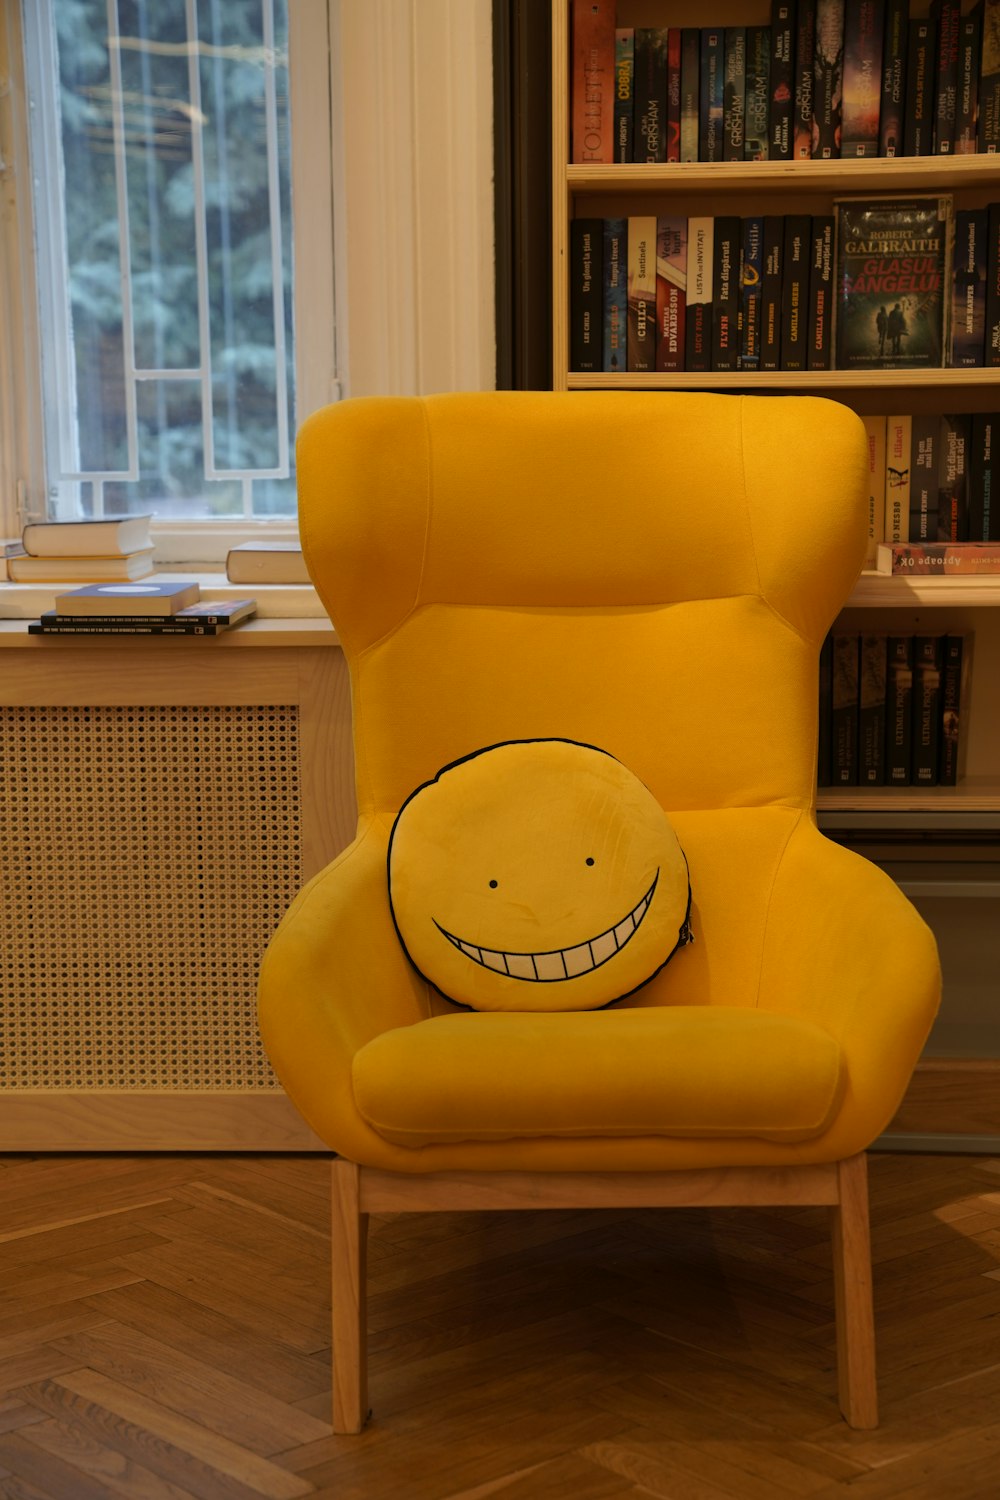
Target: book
701, 261
820, 292
111, 536
756, 134
828, 79
673, 116
927, 661
113, 599
951, 709
872, 668
208, 618
726, 293
984, 518
650, 100
710, 94
671, 290
967, 89
593, 91
9, 547
27, 569
624, 145
925, 441
734, 90
770, 292
782, 81
989, 78
864, 26
898, 710
751, 268
918, 121
795, 291
615, 295
844, 709
892, 106
968, 280
898, 442
805, 67
586, 332
875, 432
991, 332
939, 559
947, 14
824, 771
641, 334
893, 268
690, 79
266, 562
953, 497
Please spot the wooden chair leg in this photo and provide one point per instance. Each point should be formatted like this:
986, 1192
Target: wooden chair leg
348, 1245
852, 1271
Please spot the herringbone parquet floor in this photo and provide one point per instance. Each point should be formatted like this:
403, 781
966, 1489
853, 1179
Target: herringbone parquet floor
164, 1334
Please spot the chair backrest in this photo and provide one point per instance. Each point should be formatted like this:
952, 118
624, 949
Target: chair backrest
651, 573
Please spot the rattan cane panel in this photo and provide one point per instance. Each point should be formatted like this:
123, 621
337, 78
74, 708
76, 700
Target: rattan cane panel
146, 856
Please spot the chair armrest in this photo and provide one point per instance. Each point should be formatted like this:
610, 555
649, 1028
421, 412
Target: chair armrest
334, 976
845, 948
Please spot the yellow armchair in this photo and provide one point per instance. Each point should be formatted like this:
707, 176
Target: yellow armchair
651, 574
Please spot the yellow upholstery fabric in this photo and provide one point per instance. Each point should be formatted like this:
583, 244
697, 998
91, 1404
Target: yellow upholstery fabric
653, 574
538, 875
673, 1070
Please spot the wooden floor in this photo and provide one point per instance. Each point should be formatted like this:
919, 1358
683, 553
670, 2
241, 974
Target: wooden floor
164, 1333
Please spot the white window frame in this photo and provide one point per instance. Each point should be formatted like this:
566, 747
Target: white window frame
395, 141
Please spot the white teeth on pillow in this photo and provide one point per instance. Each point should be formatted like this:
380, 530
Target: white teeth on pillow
560, 963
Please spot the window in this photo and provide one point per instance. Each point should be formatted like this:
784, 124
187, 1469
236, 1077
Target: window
161, 141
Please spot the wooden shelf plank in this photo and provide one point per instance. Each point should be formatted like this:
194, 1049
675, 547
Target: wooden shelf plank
874, 174
884, 591
973, 794
802, 382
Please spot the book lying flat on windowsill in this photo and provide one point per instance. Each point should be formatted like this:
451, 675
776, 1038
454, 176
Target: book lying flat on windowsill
110, 536
128, 599
29, 569
209, 617
266, 562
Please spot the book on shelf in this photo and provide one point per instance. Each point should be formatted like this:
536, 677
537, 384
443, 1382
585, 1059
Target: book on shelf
671, 290
967, 87
673, 115
111, 536
690, 83
726, 292
875, 433
734, 92
266, 562
984, 517
615, 295
593, 81
844, 709
824, 768
701, 263
711, 104
586, 299
899, 710
828, 79
770, 292
159, 599
926, 431
820, 292
805, 64
893, 97
927, 662
947, 15
751, 270
650, 107
988, 130
624, 145
991, 333
953, 478
892, 274
782, 81
209, 617
898, 443
968, 306
641, 334
756, 122
872, 665
951, 709
864, 25
795, 291
918, 120
939, 559
27, 569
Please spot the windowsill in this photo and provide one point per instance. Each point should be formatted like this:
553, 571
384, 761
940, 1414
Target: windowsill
275, 601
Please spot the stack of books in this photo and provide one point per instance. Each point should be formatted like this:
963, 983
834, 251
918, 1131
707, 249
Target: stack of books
118, 547
141, 609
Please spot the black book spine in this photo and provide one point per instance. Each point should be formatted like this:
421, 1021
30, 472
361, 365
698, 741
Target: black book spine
864, 26
893, 104
899, 710
650, 108
820, 291
770, 292
844, 711
927, 658
828, 81
805, 77
951, 709
673, 129
967, 88
701, 264
925, 435
726, 293
871, 710
615, 313
586, 301
782, 81
918, 126
690, 83
751, 268
824, 760
989, 79
948, 16
710, 102
991, 341
953, 478
734, 93
981, 479
624, 142
756, 136
968, 307
795, 292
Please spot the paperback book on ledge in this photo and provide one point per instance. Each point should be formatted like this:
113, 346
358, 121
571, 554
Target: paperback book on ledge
210, 617
926, 559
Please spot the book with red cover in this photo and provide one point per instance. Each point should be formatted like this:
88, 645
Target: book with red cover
593, 93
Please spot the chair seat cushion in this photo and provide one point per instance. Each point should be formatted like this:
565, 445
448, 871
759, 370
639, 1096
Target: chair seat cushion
678, 1071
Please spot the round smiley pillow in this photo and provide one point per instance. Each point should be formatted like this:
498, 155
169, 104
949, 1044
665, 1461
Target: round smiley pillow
537, 875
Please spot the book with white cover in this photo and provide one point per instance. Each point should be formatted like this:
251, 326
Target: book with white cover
80, 569
111, 536
266, 562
